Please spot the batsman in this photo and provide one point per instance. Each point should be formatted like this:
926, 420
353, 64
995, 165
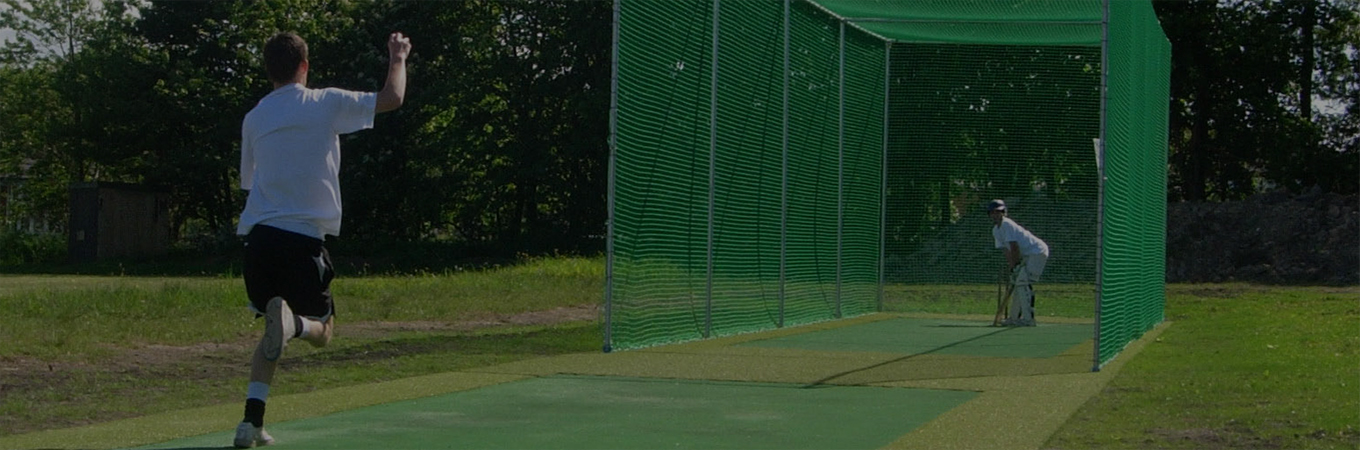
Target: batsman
1026, 256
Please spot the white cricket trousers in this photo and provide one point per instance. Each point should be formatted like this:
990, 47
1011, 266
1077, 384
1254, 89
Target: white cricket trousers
1026, 274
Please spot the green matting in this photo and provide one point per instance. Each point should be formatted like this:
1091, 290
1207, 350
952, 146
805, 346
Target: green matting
585, 412
947, 337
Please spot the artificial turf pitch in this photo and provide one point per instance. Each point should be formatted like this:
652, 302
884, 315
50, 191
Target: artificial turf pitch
877, 381
576, 412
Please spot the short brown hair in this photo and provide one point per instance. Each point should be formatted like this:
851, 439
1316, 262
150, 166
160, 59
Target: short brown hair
283, 55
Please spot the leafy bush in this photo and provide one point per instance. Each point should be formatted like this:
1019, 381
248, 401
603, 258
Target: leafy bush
22, 247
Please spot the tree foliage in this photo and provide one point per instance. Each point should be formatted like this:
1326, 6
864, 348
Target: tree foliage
500, 140
48, 29
1254, 107
503, 139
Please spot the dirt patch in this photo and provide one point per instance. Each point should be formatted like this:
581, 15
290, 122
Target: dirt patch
16, 372
546, 317
1218, 291
1233, 436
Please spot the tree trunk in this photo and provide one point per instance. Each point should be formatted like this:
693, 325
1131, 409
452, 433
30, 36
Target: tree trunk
1306, 25
1197, 156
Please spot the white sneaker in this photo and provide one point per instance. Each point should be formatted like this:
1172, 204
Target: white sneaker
278, 328
248, 436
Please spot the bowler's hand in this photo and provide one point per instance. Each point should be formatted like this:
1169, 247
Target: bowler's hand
393, 93
398, 47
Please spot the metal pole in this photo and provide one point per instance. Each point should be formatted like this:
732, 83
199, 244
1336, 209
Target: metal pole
613, 155
712, 170
784, 176
883, 179
1100, 169
840, 172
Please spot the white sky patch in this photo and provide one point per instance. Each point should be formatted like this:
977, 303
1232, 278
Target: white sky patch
6, 34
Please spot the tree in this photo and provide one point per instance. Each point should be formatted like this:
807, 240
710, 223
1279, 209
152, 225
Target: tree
1243, 96
47, 29
552, 73
33, 166
207, 75
502, 138
42, 142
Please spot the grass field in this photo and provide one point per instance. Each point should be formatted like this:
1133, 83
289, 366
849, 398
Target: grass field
1242, 366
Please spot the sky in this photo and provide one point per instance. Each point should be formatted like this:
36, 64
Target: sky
6, 33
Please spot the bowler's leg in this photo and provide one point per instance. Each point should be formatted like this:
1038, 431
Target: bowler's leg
280, 326
316, 332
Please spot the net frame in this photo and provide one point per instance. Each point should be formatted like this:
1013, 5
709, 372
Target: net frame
1104, 350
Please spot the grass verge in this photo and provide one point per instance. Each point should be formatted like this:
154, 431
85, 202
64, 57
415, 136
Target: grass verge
1241, 367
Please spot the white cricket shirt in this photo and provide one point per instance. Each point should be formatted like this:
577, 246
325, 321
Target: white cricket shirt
290, 157
1009, 231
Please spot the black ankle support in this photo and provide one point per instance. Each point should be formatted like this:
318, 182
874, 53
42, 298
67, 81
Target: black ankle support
254, 412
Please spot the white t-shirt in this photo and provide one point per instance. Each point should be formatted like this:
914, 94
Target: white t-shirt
290, 157
1009, 231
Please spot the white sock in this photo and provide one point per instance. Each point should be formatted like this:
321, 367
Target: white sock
257, 390
306, 324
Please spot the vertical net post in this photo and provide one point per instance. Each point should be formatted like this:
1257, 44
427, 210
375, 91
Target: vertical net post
613, 150
784, 172
840, 172
1100, 173
883, 176
712, 169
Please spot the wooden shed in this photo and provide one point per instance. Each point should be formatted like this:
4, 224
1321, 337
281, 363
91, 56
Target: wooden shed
117, 220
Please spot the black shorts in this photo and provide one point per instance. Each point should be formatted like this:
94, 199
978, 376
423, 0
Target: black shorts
284, 264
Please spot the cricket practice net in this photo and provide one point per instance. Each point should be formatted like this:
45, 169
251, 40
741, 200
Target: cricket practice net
781, 162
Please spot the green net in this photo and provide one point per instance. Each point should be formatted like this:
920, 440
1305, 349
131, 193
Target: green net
785, 162
748, 206
660, 182
979, 122
1132, 293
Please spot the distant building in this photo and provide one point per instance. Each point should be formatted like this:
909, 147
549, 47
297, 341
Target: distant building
117, 220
